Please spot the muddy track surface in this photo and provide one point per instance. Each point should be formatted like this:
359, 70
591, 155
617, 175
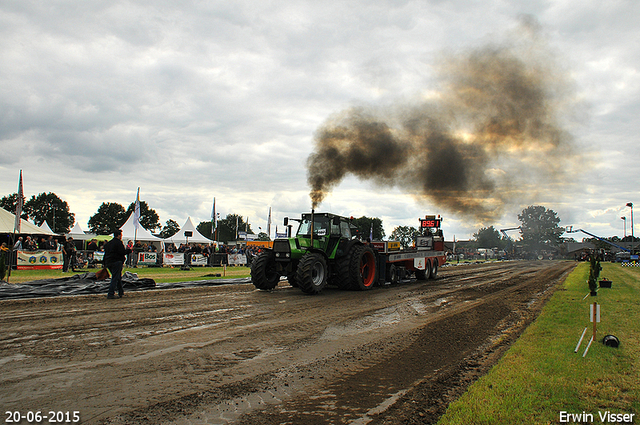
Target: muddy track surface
235, 355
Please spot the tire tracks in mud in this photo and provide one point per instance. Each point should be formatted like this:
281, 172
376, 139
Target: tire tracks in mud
447, 334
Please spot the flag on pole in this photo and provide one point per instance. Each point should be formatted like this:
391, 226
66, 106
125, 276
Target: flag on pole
136, 212
213, 214
19, 204
269, 224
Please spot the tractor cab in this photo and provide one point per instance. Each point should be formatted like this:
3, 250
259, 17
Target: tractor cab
324, 224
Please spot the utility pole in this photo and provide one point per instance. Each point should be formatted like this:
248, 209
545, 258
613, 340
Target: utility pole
630, 205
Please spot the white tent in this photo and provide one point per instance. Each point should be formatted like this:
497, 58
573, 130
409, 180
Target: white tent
45, 227
79, 235
196, 237
129, 232
8, 221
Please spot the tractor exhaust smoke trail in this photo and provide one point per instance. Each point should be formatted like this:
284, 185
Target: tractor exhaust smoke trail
490, 137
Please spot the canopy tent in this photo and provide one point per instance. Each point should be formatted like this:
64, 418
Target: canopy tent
79, 235
45, 227
8, 221
196, 237
129, 232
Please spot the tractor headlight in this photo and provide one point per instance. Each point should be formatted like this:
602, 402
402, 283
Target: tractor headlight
277, 254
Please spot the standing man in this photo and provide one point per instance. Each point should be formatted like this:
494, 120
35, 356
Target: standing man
114, 256
69, 253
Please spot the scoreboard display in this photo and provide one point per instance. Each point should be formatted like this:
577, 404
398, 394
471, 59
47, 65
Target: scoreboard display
430, 221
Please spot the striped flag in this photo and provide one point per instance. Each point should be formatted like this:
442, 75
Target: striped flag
136, 212
269, 225
19, 205
213, 214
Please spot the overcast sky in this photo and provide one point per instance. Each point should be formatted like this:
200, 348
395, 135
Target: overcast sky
195, 100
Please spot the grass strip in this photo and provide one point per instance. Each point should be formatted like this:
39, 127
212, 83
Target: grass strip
541, 376
159, 274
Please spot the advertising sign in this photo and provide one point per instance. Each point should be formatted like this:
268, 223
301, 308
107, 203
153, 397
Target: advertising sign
173, 259
198, 260
147, 258
237, 259
33, 260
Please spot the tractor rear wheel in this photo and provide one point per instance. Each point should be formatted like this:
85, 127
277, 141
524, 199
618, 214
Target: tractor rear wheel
362, 268
292, 280
264, 275
312, 273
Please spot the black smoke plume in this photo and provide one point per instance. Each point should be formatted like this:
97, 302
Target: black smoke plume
491, 136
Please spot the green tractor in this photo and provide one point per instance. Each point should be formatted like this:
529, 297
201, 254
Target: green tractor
323, 252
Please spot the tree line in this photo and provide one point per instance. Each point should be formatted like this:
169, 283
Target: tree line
539, 226
111, 216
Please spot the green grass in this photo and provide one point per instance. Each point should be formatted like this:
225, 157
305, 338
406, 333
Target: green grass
159, 274
540, 375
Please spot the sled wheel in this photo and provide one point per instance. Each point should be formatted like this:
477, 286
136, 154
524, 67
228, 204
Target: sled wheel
426, 273
434, 268
392, 274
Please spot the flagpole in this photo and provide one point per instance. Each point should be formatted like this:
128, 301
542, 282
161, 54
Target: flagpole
213, 218
16, 225
269, 225
136, 217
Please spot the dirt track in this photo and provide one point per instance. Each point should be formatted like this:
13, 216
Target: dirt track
231, 354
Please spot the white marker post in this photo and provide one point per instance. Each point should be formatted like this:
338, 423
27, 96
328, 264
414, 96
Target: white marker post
580, 341
594, 316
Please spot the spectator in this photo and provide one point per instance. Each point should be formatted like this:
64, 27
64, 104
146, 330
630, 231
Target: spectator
114, 256
29, 244
93, 245
69, 254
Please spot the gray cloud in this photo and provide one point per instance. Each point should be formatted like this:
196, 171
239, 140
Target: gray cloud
223, 99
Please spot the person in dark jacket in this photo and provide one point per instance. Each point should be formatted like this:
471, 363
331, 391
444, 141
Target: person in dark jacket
114, 256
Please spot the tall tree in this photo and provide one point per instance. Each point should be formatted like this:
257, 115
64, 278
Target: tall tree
227, 227
9, 203
488, 237
540, 227
364, 227
170, 229
44, 207
406, 235
206, 229
149, 218
110, 217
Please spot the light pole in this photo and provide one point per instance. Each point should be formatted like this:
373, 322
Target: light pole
625, 227
630, 205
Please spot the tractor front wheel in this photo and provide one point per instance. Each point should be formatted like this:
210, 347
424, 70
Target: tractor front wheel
312, 273
264, 275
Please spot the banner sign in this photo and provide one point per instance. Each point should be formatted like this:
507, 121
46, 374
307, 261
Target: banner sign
147, 258
237, 259
33, 260
198, 260
173, 259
